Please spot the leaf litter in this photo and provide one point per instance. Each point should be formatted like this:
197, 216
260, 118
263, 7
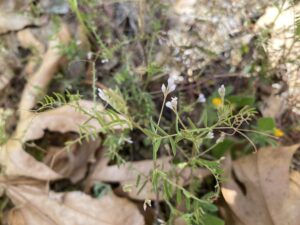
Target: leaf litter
259, 189
35, 204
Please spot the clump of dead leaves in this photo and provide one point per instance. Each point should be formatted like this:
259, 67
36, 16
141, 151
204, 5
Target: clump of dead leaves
25, 180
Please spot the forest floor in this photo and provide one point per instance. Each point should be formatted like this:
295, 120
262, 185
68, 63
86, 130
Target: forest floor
149, 112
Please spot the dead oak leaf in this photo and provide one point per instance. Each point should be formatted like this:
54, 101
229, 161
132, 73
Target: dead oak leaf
127, 174
74, 162
259, 188
35, 206
17, 162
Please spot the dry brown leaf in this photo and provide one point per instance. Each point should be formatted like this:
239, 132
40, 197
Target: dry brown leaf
15, 161
127, 174
14, 16
14, 5
6, 73
18, 163
264, 193
14, 21
29, 41
15, 216
74, 162
35, 206
64, 119
39, 81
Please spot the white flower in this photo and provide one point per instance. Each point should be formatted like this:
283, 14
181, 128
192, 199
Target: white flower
128, 140
172, 104
171, 87
102, 95
221, 138
163, 88
201, 98
171, 84
175, 75
104, 61
222, 91
89, 55
169, 105
210, 135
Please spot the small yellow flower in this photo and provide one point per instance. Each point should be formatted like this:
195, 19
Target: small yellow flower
278, 132
217, 102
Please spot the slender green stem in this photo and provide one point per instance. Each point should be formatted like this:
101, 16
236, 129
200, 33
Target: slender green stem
161, 110
180, 121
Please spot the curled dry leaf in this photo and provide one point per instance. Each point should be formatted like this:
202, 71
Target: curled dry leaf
13, 158
13, 21
35, 206
17, 163
29, 41
72, 163
14, 5
6, 72
13, 16
63, 119
260, 189
39, 81
128, 173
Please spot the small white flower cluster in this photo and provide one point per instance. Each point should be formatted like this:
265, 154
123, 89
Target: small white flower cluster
210, 135
103, 61
167, 90
201, 98
175, 75
89, 55
222, 91
172, 104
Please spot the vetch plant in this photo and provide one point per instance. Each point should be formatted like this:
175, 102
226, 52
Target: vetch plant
182, 141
